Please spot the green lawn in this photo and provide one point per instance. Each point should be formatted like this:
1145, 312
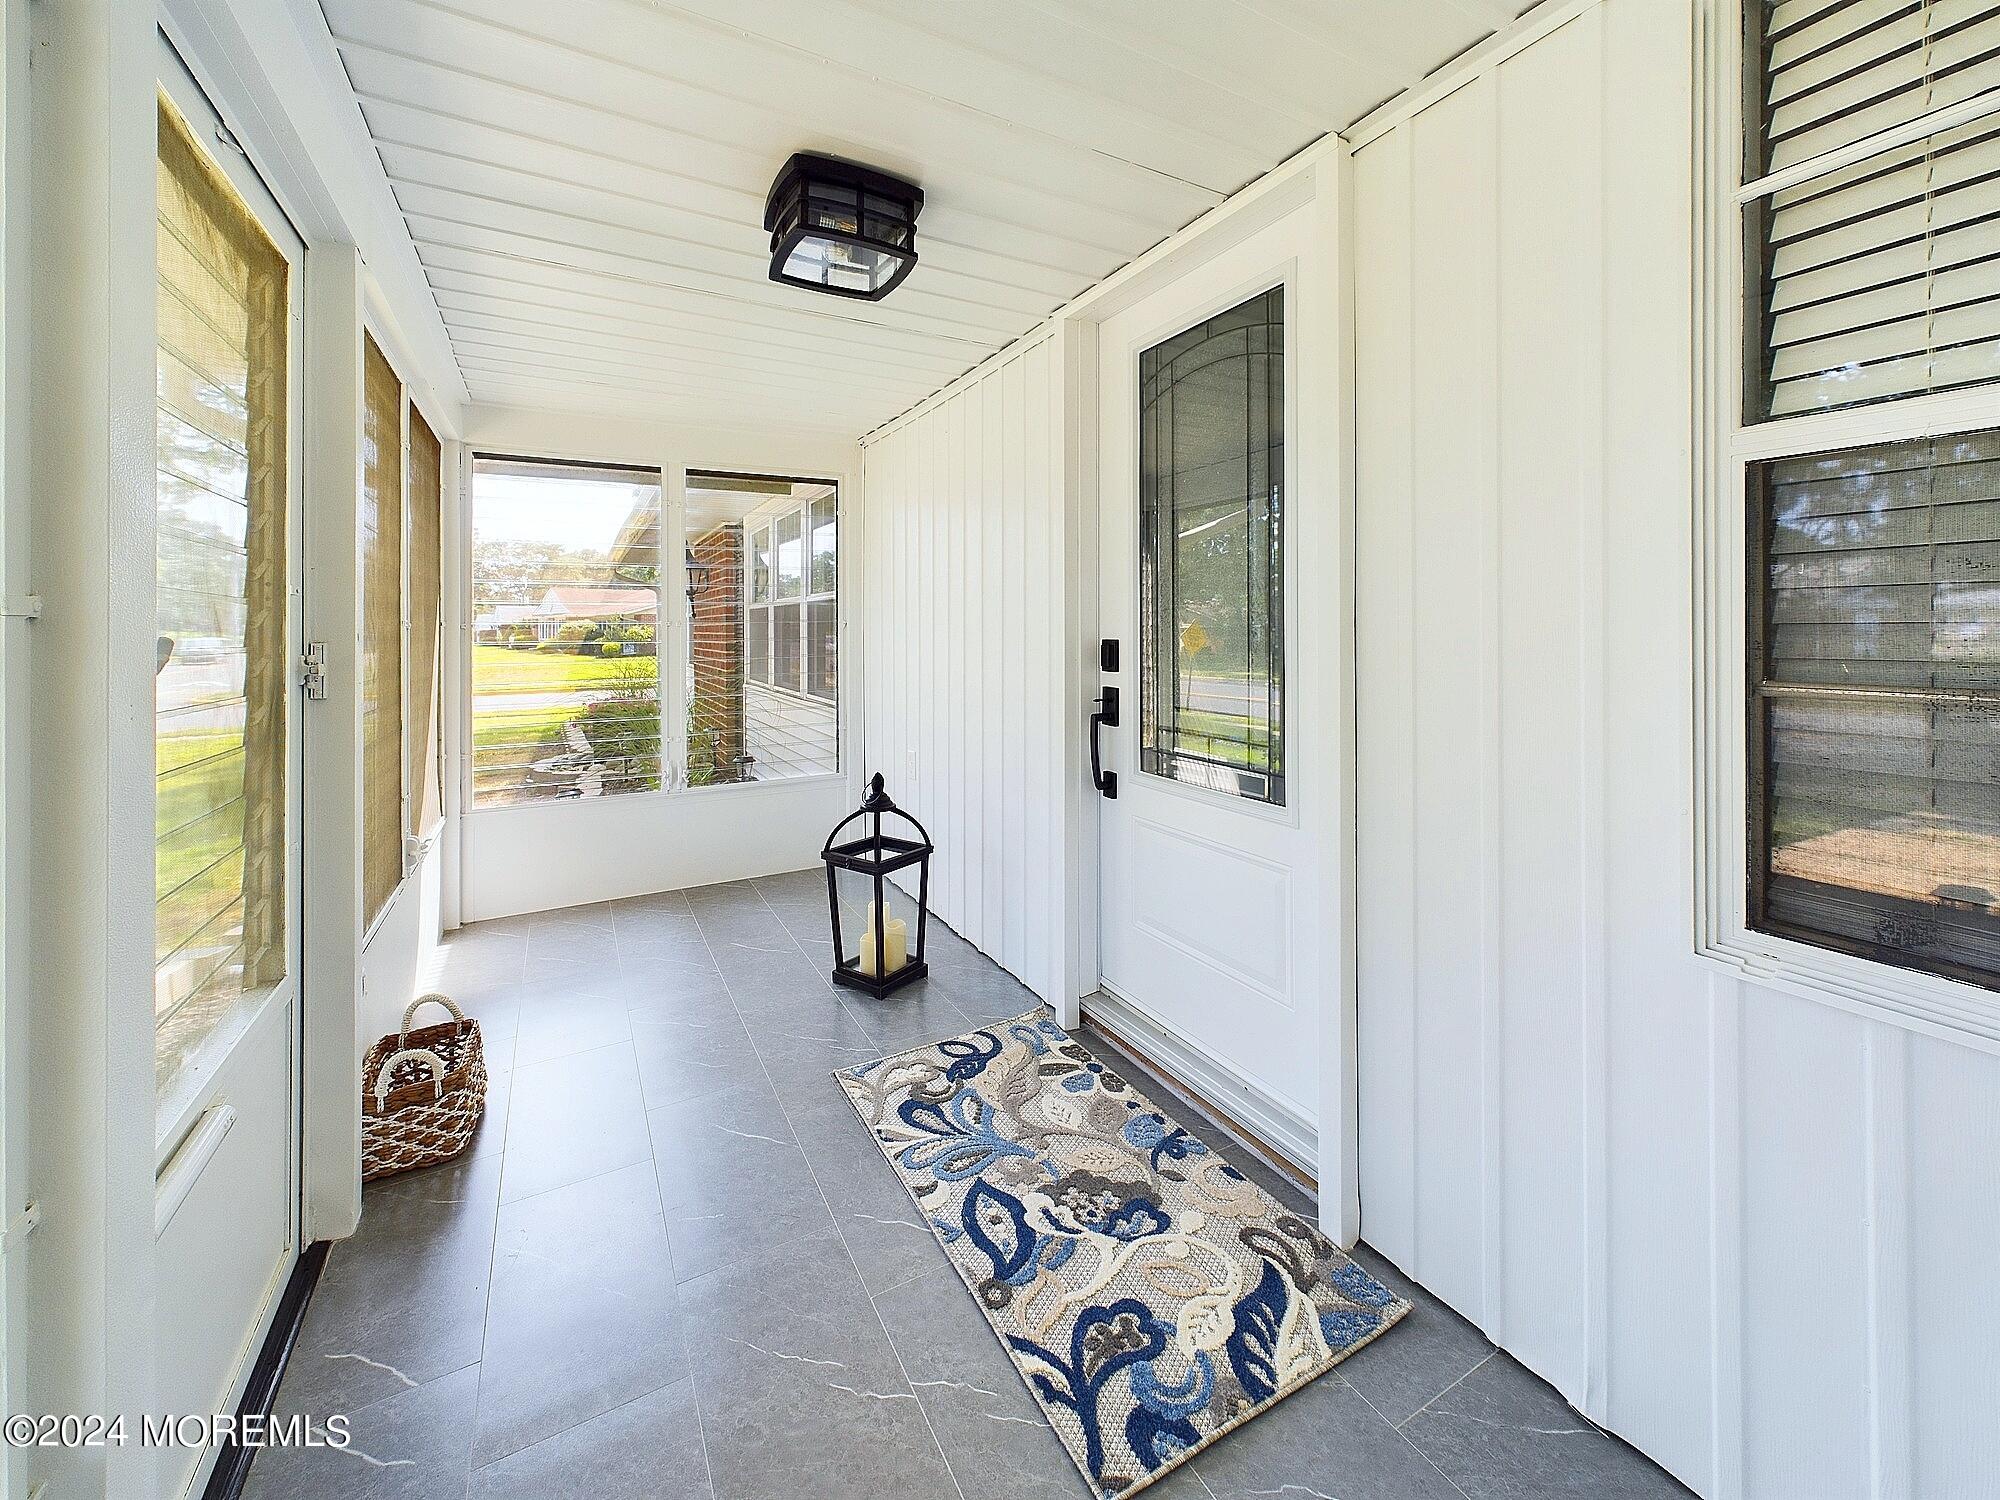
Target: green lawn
496, 669
1235, 738
503, 745
198, 827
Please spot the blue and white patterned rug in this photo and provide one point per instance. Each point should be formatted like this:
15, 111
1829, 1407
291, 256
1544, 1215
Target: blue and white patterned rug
1152, 1297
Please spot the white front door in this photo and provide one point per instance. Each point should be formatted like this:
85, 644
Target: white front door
1211, 928
227, 741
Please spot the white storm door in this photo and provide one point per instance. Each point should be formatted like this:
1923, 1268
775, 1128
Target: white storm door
1211, 930
227, 742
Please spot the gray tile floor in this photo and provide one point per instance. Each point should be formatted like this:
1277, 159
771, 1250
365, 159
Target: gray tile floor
675, 1265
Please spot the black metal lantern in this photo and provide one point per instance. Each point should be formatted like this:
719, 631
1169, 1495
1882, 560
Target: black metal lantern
839, 228
871, 944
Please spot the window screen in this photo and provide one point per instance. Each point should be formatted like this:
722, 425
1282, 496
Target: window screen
1872, 277
1875, 658
566, 604
776, 712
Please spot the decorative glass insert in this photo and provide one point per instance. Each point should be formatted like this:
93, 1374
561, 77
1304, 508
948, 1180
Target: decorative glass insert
1875, 716
1211, 553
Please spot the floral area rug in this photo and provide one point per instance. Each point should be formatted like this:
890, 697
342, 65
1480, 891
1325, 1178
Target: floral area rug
1152, 1296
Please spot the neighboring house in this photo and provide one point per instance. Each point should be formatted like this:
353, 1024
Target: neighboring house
563, 603
490, 625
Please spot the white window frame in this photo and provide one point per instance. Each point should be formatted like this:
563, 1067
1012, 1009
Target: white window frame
671, 583
1723, 447
765, 522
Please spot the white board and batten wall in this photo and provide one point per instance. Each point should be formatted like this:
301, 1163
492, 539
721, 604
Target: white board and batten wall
1746, 1230
968, 689
1742, 1228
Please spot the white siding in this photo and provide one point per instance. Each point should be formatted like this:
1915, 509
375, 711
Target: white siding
1742, 1229
965, 560
788, 734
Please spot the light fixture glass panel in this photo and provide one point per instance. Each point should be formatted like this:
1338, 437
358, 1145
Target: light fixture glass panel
838, 263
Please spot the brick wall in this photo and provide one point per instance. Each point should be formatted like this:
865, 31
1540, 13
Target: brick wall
715, 640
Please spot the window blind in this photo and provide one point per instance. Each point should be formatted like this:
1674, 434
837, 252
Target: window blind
1882, 279
381, 633
1875, 757
1829, 73
421, 712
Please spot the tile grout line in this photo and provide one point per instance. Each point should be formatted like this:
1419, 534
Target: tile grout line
493, 1257
847, 1249
493, 1243
1483, 1362
1411, 1442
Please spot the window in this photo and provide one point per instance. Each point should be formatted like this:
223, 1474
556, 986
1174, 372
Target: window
382, 751
1873, 623
764, 628
223, 673
1211, 553
420, 714
565, 609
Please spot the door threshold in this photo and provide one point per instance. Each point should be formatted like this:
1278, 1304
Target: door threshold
232, 1461
1274, 1133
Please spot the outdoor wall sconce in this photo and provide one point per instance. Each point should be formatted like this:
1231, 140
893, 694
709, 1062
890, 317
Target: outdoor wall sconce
836, 227
858, 891
698, 575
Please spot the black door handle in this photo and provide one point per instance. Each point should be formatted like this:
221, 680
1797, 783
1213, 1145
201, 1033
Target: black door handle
1106, 714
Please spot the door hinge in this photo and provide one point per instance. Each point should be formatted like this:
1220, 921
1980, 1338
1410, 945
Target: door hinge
23, 1224
312, 671
21, 607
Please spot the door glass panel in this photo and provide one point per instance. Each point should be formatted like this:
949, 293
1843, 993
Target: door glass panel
220, 680
1211, 553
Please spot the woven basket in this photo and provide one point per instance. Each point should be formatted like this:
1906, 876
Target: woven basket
422, 1093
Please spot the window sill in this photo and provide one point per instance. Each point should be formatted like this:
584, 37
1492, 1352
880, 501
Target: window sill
678, 794
1925, 1003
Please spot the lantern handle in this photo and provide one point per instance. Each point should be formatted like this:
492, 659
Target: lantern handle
876, 801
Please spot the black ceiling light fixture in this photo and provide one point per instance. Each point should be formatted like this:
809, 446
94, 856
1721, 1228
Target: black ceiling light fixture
839, 228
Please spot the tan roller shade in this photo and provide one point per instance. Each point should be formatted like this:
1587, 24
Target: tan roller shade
220, 679
426, 500
381, 633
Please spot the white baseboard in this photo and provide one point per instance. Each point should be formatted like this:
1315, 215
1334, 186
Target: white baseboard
1276, 1123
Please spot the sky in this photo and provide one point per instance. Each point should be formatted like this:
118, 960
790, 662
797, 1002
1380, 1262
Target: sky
576, 514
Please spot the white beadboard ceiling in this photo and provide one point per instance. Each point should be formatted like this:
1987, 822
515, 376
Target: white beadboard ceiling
584, 182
